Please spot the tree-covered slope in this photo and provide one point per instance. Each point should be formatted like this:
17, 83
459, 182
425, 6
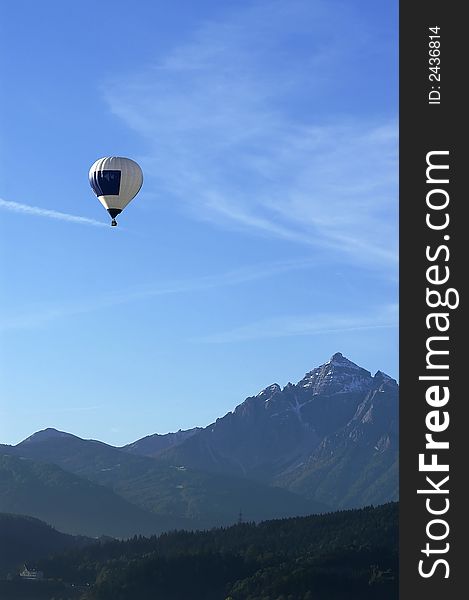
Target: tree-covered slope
23, 539
338, 556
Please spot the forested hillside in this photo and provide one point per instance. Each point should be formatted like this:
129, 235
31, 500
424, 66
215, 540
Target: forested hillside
24, 538
337, 556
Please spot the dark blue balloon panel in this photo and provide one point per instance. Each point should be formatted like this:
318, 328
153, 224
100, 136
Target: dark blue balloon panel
106, 183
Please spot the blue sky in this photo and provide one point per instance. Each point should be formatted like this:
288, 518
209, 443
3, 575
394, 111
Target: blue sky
264, 238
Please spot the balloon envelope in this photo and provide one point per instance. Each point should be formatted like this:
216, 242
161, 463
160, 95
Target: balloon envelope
115, 181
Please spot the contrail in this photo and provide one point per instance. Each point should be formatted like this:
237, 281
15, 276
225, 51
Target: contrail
51, 214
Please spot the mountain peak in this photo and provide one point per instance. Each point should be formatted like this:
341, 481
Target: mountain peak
339, 359
269, 391
338, 374
384, 378
45, 434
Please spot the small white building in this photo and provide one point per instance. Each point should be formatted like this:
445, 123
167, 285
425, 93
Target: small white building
28, 573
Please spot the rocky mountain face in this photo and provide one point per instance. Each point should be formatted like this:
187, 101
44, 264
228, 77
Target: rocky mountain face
329, 441
333, 437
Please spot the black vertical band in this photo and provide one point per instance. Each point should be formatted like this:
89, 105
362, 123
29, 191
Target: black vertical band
433, 136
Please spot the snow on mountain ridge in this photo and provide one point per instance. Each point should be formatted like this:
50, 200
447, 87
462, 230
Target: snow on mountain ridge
337, 375
269, 391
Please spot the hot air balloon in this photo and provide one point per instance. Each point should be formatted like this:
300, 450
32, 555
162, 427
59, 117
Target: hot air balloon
116, 181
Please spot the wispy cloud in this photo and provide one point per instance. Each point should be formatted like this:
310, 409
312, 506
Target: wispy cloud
36, 211
288, 325
240, 133
43, 315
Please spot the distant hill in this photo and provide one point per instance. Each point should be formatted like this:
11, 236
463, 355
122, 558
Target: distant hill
184, 496
72, 504
24, 539
350, 555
